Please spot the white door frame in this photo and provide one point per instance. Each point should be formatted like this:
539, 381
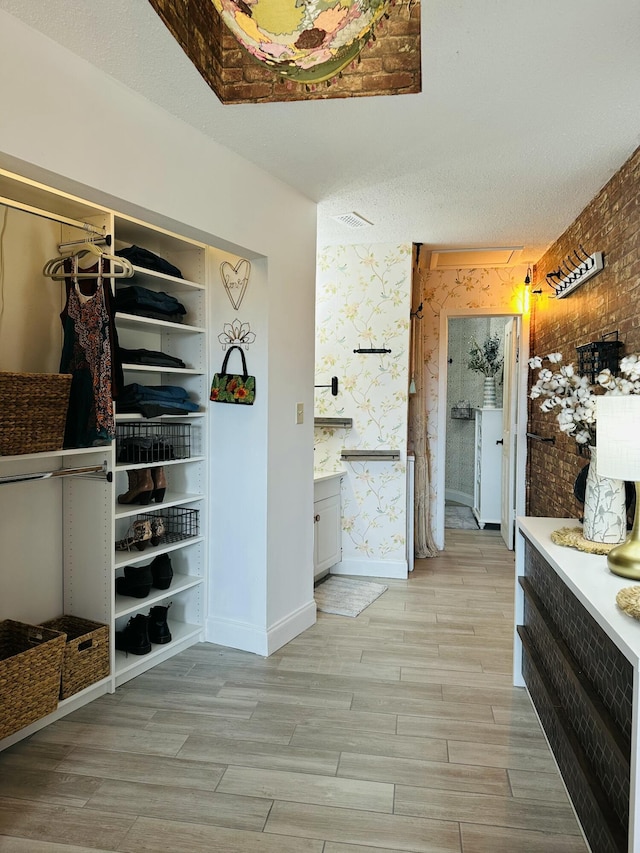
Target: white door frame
520, 391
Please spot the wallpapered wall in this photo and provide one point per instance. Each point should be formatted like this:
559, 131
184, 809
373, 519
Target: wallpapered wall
363, 300
486, 290
466, 385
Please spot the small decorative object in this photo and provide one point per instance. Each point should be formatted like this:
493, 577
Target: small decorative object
619, 456
605, 508
236, 334
235, 280
486, 359
573, 537
628, 600
233, 387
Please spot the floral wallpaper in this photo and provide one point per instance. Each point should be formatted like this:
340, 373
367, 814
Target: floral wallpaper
484, 289
363, 300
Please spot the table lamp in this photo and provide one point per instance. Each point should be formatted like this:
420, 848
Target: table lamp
618, 456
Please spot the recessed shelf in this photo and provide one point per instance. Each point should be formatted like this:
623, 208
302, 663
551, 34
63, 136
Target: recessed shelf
125, 605
170, 499
153, 368
137, 321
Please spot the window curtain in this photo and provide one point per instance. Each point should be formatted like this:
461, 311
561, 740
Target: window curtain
418, 441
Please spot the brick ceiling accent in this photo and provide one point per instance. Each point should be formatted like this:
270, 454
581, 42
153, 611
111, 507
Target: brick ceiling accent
390, 65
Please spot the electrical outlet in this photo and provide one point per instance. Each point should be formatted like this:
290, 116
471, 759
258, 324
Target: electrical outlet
299, 413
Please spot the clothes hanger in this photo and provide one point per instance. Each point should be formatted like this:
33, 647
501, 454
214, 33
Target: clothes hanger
120, 267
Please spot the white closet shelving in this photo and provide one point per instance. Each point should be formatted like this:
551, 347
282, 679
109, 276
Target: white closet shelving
59, 533
184, 504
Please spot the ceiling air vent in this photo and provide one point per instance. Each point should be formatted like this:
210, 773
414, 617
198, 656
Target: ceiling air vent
352, 220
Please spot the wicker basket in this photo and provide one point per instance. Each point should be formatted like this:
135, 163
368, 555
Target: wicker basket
33, 411
86, 652
30, 663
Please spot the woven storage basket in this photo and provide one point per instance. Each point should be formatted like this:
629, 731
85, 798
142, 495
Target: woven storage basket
86, 652
33, 411
30, 662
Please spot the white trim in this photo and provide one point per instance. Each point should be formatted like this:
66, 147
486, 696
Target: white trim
372, 568
290, 626
251, 638
458, 497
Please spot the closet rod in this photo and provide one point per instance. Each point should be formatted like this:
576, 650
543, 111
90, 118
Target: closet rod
61, 472
98, 241
55, 217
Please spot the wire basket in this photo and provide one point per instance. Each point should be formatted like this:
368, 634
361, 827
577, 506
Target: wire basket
33, 412
598, 355
30, 665
141, 444
177, 523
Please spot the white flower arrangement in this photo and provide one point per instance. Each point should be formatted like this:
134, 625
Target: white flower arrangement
575, 398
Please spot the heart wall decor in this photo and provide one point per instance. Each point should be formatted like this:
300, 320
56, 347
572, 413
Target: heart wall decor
235, 280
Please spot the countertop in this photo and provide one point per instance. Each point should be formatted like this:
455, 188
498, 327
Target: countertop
589, 578
319, 476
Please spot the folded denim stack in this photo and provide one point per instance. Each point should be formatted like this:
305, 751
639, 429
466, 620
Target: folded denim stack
146, 356
151, 401
144, 258
149, 303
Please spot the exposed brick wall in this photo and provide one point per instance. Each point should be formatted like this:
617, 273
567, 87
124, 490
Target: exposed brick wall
610, 301
390, 65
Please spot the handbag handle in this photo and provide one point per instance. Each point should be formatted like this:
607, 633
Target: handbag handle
244, 362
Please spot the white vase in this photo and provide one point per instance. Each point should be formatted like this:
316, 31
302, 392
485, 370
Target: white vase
605, 508
489, 399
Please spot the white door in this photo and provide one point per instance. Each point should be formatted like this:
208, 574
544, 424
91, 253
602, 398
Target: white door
509, 400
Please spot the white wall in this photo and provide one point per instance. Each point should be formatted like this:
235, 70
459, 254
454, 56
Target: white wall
70, 125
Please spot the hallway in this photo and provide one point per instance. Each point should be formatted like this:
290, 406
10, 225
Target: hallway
398, 730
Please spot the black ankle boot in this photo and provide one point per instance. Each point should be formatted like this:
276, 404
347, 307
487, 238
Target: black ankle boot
162, 571
135, 637
158, 629
136, 582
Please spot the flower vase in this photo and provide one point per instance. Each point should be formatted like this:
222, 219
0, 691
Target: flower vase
605, 508
489, 399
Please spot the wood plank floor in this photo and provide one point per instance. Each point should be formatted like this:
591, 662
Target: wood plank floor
398, 730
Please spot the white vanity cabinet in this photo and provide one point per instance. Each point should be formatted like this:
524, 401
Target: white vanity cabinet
487, 488
327, 523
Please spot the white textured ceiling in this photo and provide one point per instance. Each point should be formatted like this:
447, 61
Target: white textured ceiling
528, 107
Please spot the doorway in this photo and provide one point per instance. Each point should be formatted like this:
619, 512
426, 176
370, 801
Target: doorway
478, 484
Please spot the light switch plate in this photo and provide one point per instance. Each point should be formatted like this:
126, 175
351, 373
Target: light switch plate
299, 413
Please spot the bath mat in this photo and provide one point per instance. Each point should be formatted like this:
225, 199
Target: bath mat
346, 597
459, 517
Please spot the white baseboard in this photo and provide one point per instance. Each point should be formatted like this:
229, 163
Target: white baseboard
286, 629
372, 568
260, 641
458, 497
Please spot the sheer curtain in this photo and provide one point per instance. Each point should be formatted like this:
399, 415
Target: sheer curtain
418, 441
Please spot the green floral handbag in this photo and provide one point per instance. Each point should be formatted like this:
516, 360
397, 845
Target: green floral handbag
233, 387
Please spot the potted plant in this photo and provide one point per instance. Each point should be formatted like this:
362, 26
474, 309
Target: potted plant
486, 359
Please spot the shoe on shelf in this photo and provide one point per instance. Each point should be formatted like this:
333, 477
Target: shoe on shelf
140, 487
136, 582
159, 484
158, 529
161, 571
158, 628
135, 637
138, 535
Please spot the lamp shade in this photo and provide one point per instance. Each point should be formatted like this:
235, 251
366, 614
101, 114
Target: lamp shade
303, 40
618, 437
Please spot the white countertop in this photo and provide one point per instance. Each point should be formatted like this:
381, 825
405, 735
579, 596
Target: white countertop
319, 476
589, 578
